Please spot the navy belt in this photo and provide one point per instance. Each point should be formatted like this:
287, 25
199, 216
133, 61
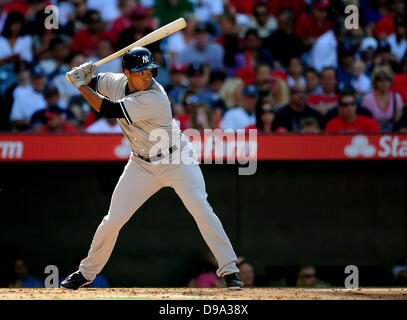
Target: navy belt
156, 157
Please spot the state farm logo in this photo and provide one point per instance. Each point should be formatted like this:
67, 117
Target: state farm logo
11, 149
387, 147
360, 147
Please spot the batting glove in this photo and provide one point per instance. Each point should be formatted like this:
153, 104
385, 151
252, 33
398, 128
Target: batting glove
77, 77
89, 69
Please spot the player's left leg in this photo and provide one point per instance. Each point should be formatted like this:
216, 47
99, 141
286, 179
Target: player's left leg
188, 182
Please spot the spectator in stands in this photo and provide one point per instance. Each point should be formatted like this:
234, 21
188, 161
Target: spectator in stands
106, 48
384, 57
88, 38
328, 98
310, 125
104, 125
27, 100
297, 7
289, 44
264, 118
208, 10
244, 115
211, 91
398, 40
66, 89
197, 81
385, 105
52, 98
367, 50
262, 21
22, 70
252, 48
295, 70
14, 42
246, 273
292, 116
55, 64
309, 27
312, 85
55, 121
360, 82
306, 277
167, 11
201, 117
203, 51
344, 71
20, 277
262, 82
231, 92
385, 26
178, 83
400, 82
206, 277
77, 18
229, 39
178, 41
279, 93
324, 51
137, 30
348, 121
123, 21
182, 113
108, 9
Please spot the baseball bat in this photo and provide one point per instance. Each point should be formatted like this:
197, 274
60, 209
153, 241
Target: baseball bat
156, 35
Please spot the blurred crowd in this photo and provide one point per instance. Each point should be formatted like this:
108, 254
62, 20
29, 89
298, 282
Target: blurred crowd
273, 66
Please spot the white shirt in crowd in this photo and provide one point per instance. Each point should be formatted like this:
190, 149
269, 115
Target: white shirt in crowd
399, 49
27, 101
66, 89
237, 118
102, 126
323, 52
23, 47
108, 8
291, 82
362, 83
204, 10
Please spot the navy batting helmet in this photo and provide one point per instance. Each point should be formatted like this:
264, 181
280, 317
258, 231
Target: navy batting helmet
139, 59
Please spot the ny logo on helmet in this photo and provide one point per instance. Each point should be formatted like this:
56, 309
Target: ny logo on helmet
145, 59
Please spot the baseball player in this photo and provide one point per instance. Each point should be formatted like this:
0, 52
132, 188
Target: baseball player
141, 107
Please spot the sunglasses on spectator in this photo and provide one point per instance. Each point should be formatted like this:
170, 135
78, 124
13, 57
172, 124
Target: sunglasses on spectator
347, 104
308, 275
382, 79
295, 91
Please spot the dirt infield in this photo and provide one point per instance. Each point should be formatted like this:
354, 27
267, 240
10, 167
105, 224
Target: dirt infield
212, 294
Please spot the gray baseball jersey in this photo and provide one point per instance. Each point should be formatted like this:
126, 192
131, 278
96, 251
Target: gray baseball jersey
144, 112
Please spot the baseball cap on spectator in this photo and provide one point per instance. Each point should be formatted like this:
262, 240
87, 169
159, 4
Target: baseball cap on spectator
138, 13
53, 111
320, 4
368, 43
37, 72
383, 46
21, 65
178, 67
250, 90
49, 90
278, 74
195, 69
202, 27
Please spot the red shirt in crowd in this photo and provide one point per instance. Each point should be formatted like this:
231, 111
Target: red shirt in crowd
385, 26
400, 86
65, 128
87, 43
243, 6
360, 124
307, 27
317, 99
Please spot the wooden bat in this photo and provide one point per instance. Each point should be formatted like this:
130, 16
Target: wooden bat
156, 35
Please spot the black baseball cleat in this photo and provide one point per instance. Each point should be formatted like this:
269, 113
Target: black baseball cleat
74, 281
233, 281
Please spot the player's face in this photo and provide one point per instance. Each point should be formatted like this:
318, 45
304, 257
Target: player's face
139, 81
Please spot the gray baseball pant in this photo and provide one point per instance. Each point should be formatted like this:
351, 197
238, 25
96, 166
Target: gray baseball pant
139, 181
